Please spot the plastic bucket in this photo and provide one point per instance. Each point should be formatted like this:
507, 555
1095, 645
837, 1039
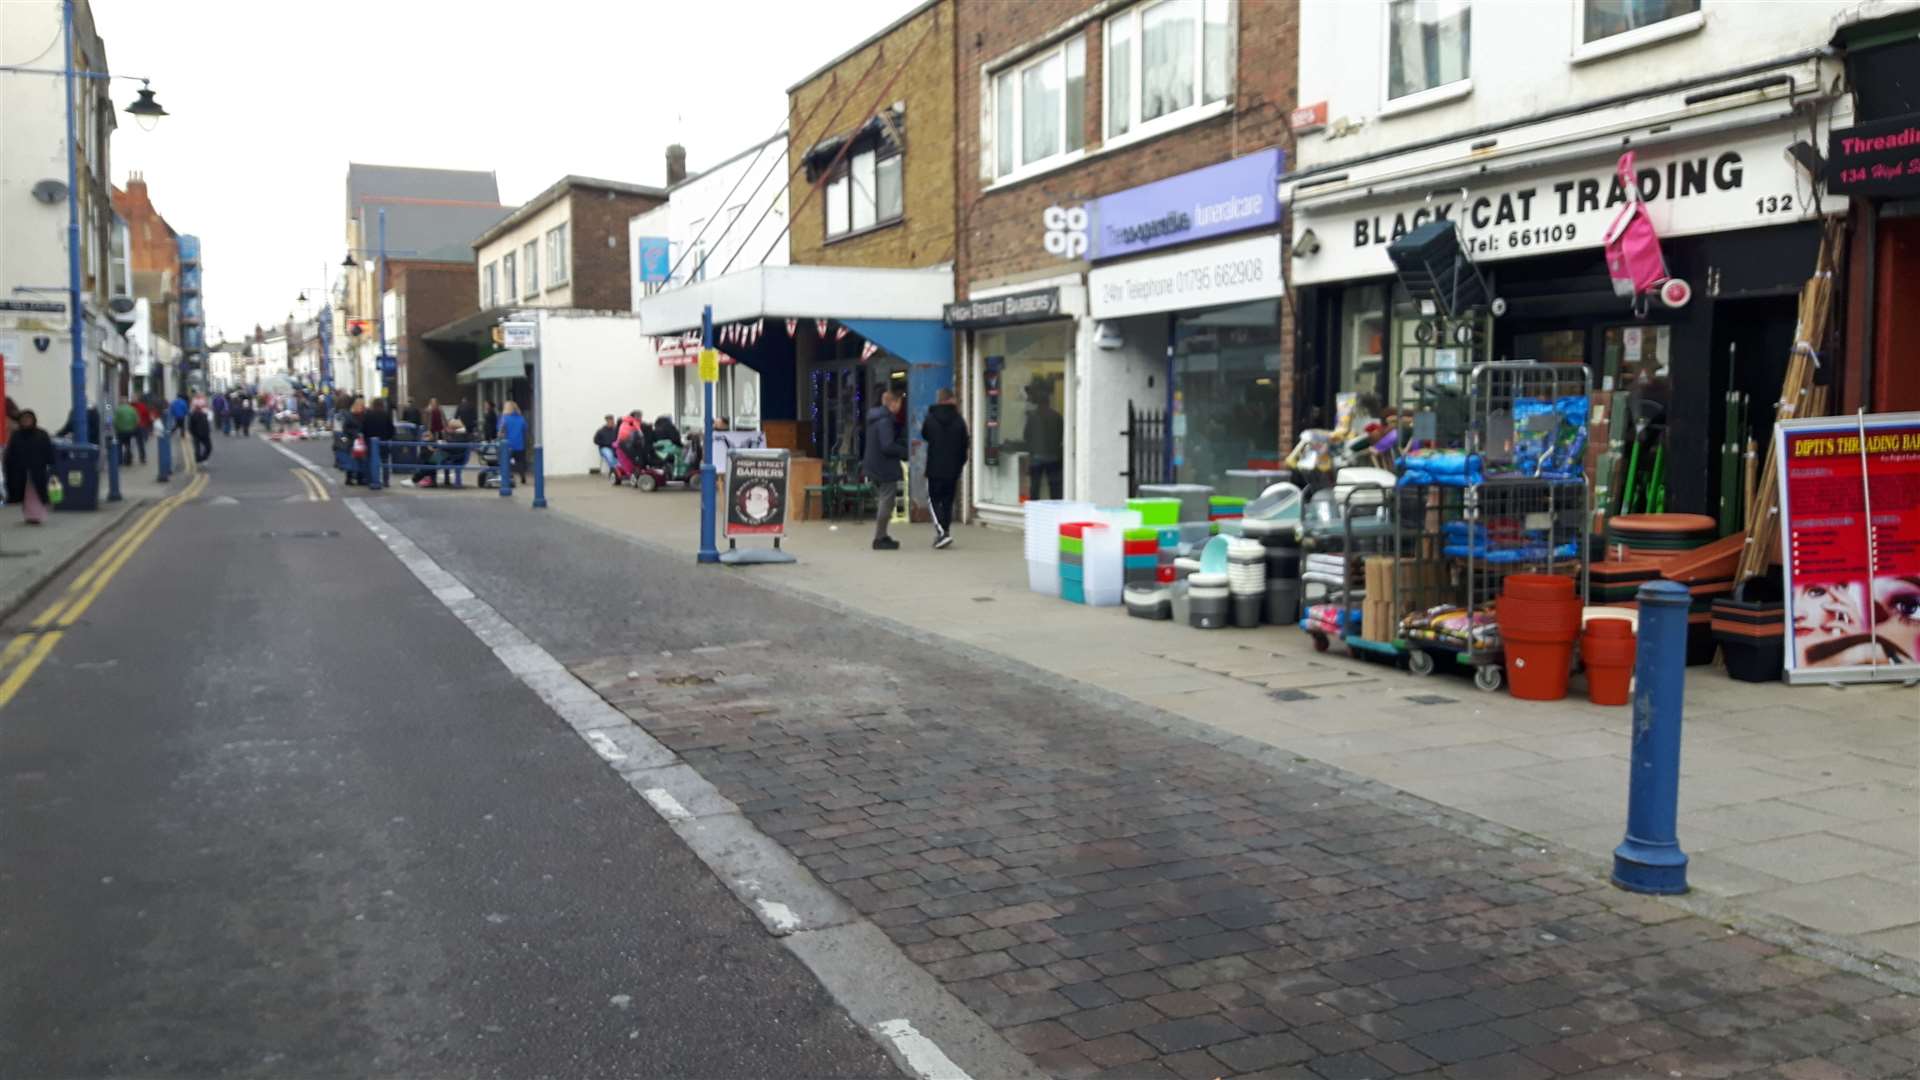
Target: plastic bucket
1536, 587
1536, 670
1557, 620
1246, 609
1608, 655
1283, 601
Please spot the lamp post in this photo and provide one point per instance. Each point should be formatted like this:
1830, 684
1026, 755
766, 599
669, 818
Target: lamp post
148, 112
379, 301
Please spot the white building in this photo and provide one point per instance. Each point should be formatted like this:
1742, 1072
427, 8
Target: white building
222, 369
1510, 118
271, 352
730, 217
34, 302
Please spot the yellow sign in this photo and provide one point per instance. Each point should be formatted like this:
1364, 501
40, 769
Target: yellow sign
709, 365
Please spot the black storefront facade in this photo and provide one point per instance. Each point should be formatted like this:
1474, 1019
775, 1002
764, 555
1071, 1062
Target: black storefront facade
1740, 220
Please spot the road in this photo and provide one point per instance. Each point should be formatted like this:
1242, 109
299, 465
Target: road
270, 806
266, 808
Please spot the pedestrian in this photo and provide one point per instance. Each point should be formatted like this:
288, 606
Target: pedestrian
377, 423
410, 413
1045, 441
126, 422
243, 416
28, 466
453, 449
490, 424
513, 429
604, 438
886, 449
946, 436
436, 420
223, 414
469, 419
145, 428
178, 412
266, 411
200, 427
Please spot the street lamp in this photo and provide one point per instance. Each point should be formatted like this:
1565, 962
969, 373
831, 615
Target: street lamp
379, 301
145, 110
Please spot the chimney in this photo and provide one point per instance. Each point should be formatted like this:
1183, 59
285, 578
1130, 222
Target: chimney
676, 164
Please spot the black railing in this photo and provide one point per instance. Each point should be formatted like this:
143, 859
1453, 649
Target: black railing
1146, 449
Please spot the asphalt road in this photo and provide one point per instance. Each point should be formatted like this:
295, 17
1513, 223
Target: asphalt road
268, 808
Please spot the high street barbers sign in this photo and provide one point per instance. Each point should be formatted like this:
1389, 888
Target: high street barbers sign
1692, 189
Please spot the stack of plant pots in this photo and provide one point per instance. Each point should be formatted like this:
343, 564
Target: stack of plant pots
1686, 548
1607, 651
1539, 616
1752, 633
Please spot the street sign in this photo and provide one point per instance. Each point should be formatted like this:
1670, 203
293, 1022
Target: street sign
41, 307
519, 335
388, 365
709, 365
757, 492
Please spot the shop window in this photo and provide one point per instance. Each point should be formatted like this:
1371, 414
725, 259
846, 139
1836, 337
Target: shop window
1226, 395
1040, 108
557, 265
1023, 429
1429, 47
1165, 61
1363, 347
530, 255
1602, 19
510, 277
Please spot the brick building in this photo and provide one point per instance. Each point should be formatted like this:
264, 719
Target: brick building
425, 295
1120, 246
565, 247
153, 254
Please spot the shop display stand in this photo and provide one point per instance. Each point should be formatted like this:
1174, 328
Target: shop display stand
1505, 512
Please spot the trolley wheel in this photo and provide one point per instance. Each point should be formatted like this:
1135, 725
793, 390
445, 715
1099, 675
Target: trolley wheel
1420, 662
1424, 332
645, 481
1488, 677
1463, 334
1320, 643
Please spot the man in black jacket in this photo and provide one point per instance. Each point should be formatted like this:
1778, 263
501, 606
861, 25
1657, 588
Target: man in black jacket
886, 449
946, 436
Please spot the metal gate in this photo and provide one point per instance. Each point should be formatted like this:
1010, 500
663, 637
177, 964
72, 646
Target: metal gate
1146, 449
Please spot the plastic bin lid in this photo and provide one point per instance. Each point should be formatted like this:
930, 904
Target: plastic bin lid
1213, 557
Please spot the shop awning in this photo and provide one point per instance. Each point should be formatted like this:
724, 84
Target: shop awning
475, 328
509, 364
841, 293
908, 339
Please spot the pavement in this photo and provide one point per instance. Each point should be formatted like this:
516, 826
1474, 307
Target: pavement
1115, 889
1800, 806
30, 555
266, 808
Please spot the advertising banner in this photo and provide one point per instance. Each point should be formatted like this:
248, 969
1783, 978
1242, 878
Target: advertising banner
1233, 196
1881, 158
756, 493
1850, 541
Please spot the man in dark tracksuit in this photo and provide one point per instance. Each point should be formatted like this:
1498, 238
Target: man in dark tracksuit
886, 449
946, 437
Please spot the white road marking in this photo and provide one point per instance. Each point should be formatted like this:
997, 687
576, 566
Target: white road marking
922, 1054
325, 476
605, 746
668, 806
779, 914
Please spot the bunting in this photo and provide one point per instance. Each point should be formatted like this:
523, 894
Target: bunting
867, 350
820, 328
793, 325
839, 333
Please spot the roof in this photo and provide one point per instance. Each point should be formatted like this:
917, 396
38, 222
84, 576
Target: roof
470, 328
506, 364
868, 40
428, 231
405, 181
553, 193
777, 137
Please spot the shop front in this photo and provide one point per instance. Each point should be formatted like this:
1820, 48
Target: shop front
1739, 221
1021, 343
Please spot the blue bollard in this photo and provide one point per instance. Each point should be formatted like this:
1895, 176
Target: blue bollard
539, 478
163, 453
375, 479
113, 466
506, 470
1649, 859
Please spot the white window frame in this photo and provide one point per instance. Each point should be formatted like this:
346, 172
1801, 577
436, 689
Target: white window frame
1138, 129
844, 171
1017, 70
530, 256
1422, 99
510, 275
490, 285
559, 271
1629, 40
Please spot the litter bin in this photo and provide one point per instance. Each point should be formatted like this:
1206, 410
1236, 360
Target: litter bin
77, 465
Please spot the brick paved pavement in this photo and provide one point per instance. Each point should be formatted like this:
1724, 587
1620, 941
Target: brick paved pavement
1123, 900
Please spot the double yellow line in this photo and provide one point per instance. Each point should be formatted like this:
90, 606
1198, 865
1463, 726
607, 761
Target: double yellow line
27, 649
316, 491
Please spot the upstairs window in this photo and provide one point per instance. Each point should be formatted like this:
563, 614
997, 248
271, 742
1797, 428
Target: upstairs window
1164, 59
1429, 46
864, 189
530, 255
557, 256
1040, 108
490, 286
509, 276
1605, 18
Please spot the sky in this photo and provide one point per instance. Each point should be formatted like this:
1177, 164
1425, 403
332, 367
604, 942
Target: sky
270, 99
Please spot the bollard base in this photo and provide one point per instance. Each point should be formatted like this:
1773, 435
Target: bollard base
1658, 869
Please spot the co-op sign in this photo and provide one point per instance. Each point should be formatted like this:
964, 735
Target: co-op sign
1733, 184
1229, 197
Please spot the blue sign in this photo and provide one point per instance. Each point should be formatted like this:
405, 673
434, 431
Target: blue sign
388, 365
1230, 197
656, 264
